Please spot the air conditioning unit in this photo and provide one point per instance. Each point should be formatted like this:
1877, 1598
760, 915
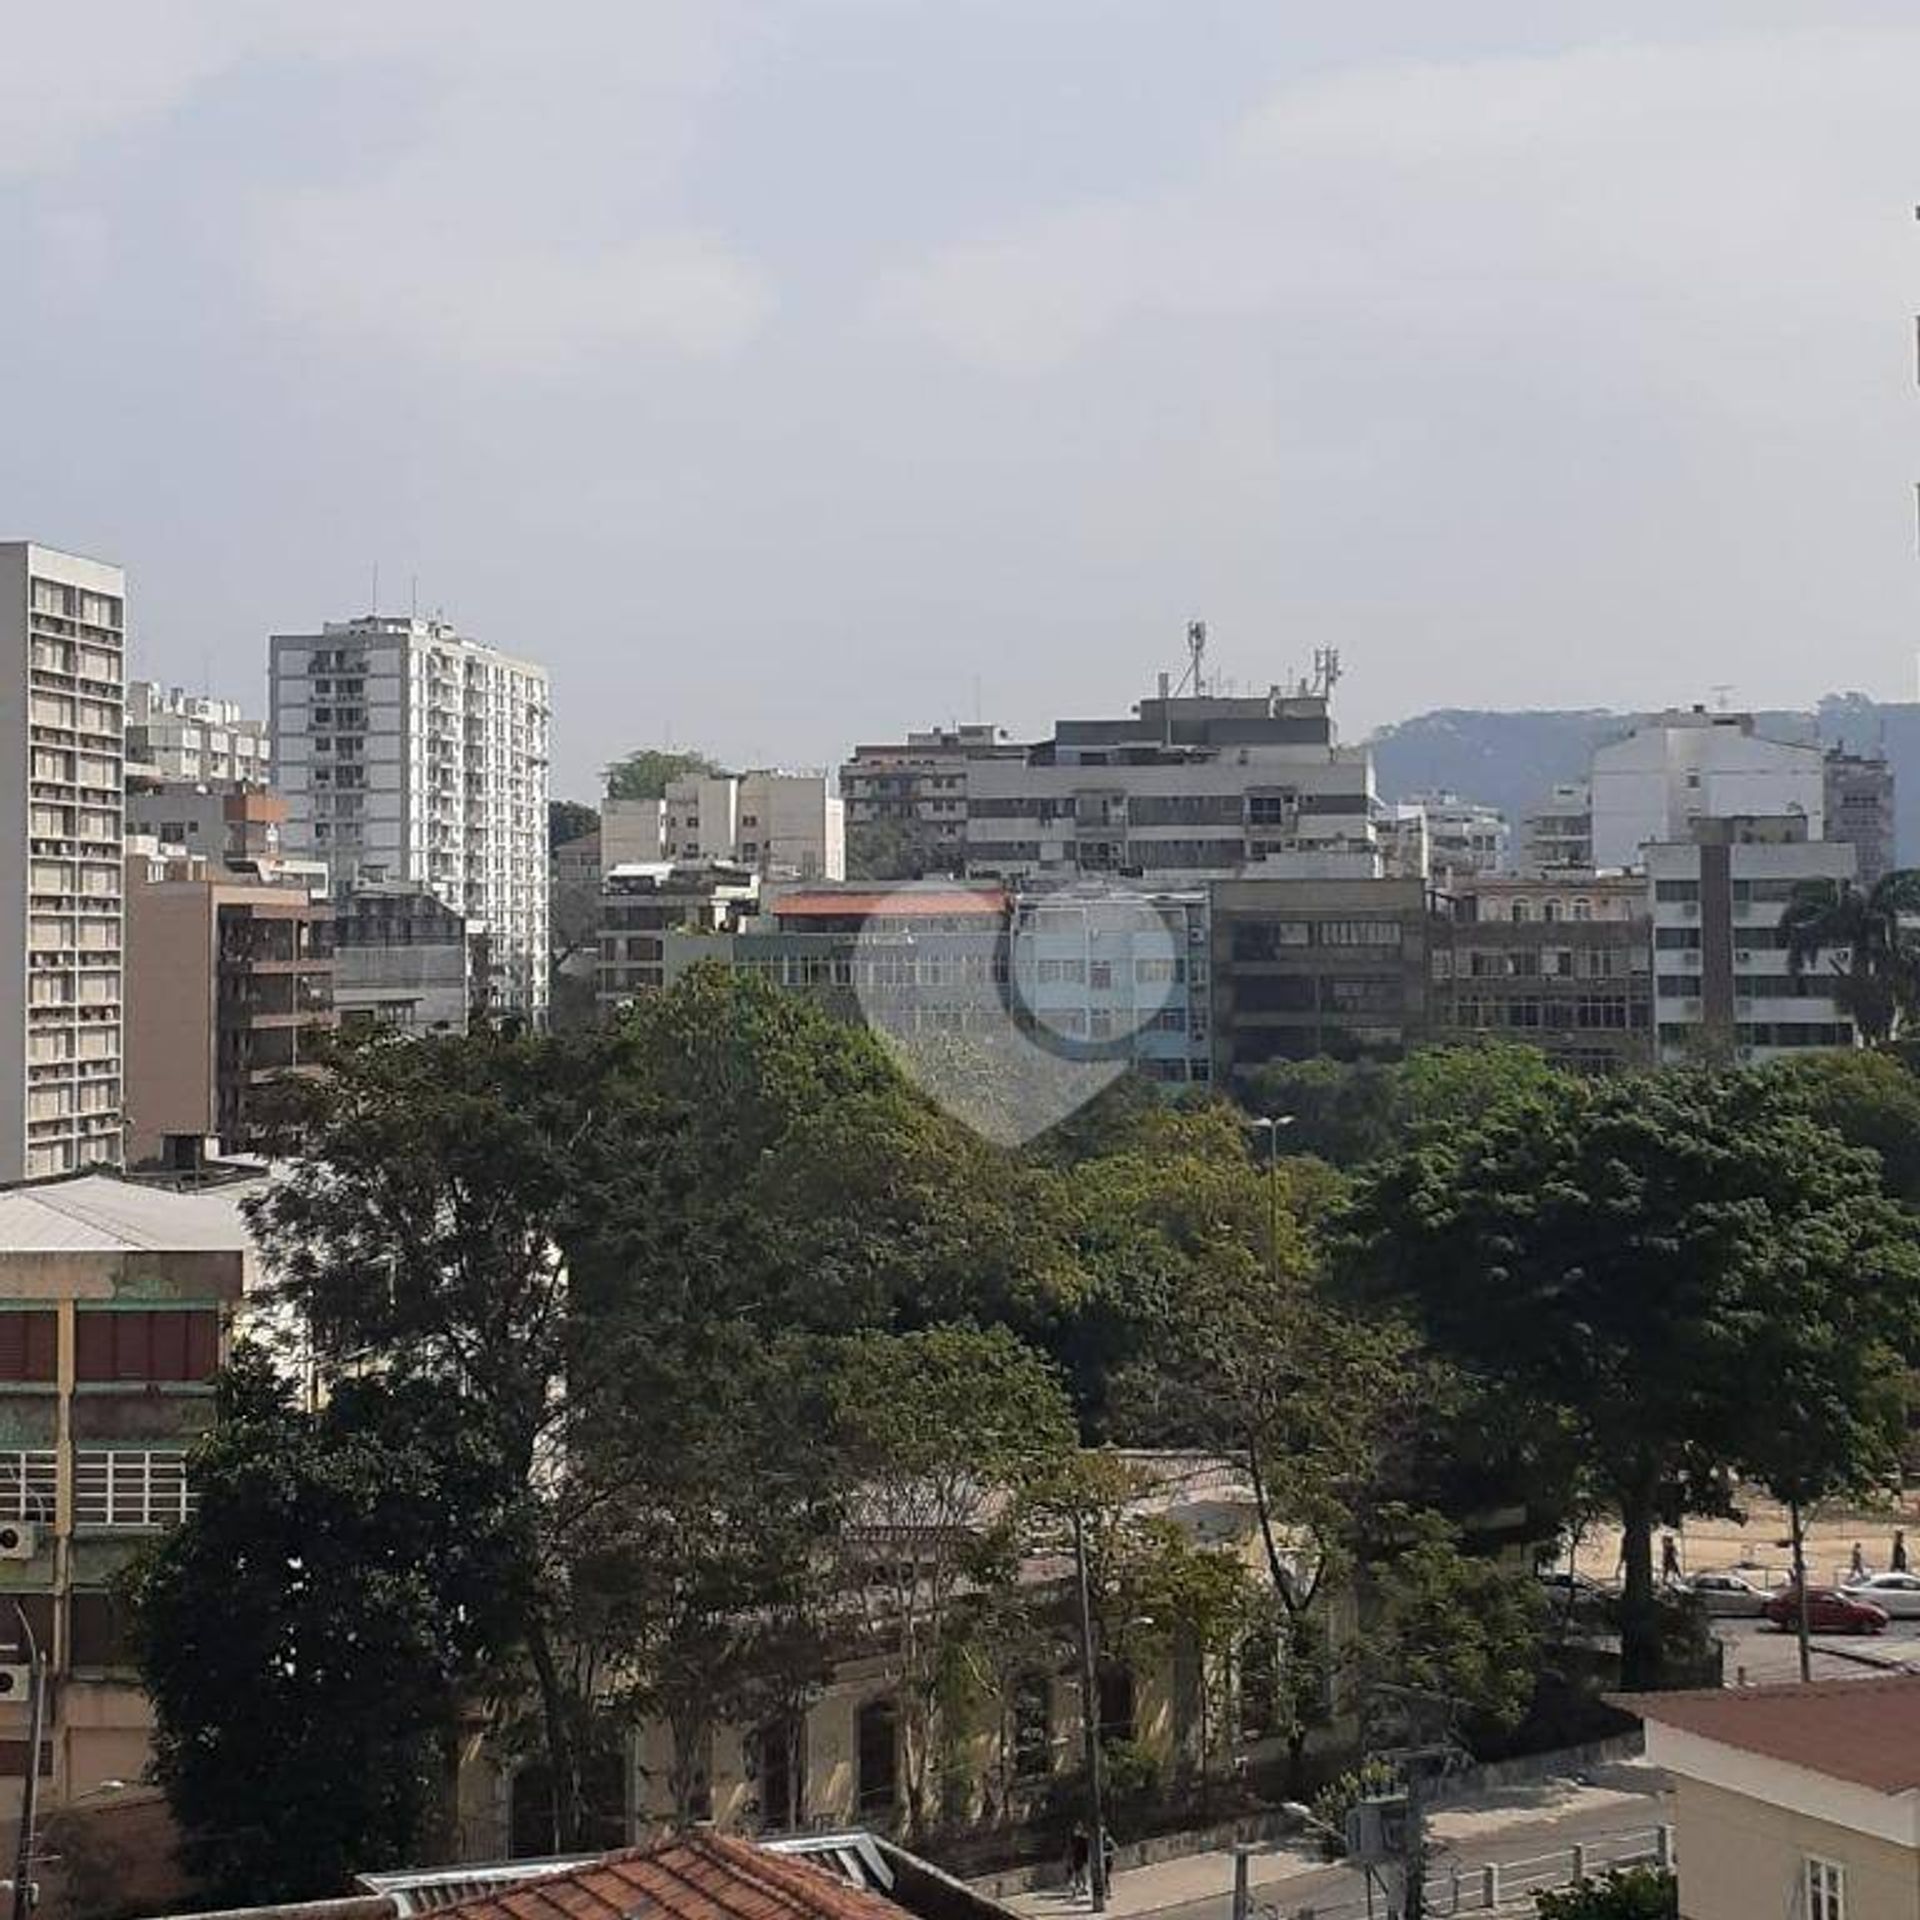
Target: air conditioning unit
16, 1683
19, 1540
1743, 954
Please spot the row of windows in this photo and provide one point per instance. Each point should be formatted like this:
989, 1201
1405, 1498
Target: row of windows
1582, 1013
1535, 963
1267, 939
118, 1487
159, 1344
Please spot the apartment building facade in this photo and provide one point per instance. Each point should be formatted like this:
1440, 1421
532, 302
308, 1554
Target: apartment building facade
1722, 985
918, 787
1860, 806
645, 902
1310, 968
229, 980
115, 1303
1186, 790
62, 741
410, 753
175, 735
402, 958
1563, 965
1556, 836
1464, 837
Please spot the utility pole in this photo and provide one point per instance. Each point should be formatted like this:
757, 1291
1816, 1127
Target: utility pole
30, 1788
1797, 1527
1089, 1725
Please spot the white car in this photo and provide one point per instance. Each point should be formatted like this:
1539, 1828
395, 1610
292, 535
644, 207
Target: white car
1728, 1595
1898, 1594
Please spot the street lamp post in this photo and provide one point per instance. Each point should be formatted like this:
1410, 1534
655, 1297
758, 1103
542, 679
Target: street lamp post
1270, 1124
1090, 1724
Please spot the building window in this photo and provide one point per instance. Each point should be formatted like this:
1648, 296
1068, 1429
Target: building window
146, 1344
1826, 1890
29, 1344
29, 1482
129, 1488
1114, 1689
99, 1636
876, 1740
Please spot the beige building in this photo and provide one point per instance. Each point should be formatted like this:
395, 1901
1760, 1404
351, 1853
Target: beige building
115, 1301
229, 974
62, 719
1796, 1800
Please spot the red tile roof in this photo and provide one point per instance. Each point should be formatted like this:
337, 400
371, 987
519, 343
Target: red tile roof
697, 1876
1863, 1731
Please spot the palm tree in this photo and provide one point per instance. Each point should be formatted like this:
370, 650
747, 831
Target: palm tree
1878, 982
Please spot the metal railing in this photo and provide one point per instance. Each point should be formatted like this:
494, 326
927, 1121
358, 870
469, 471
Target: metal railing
1495, 1886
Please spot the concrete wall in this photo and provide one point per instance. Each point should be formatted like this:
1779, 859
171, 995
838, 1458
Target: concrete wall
170, 1014
1741, 1858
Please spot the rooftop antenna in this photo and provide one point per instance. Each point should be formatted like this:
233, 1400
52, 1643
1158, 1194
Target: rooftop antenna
375, 608
1326, 671
413, 596
1722, 693
1196, 659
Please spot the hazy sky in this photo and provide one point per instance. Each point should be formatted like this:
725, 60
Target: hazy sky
788, 372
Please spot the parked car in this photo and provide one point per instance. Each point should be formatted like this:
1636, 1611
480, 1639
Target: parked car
1895, 1593
1828, 1611
1728, 1595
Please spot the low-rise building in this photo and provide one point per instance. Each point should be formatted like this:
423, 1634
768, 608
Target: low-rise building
402, 958
1464, 837
642, 903
1305, 968
115, 1302
1563, 965
1796, 1800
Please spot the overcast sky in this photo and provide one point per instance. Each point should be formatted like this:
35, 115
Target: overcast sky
788, 372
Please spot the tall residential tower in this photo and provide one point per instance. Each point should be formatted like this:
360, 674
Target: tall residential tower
407, 752
62, 722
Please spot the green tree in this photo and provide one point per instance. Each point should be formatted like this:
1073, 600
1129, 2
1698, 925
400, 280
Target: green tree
1871, 1099
647, 772
1630, 1893
431, 1188
945, 1433
896, 850
306, 1635
569, 820
1878, 982
1609, 1253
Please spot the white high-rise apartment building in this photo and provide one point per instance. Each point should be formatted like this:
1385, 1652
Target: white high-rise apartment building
62, 721
407, 752
179, 736
1678, 768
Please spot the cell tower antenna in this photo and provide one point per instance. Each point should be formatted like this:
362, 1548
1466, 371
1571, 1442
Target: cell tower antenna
1326, 670
1196, 660
1722, 692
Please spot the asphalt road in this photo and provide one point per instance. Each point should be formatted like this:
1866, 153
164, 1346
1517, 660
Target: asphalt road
1769, 1655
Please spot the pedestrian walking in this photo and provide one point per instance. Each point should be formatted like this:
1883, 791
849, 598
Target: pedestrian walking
1079, 1852
1669, 1559
1857, 1566
1899, 1558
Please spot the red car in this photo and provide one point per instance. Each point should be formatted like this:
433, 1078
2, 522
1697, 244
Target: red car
1828, 1611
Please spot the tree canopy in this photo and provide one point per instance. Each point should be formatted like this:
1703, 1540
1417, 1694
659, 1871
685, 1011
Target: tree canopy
647, 772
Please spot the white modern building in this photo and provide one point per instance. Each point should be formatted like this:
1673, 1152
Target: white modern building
1185, 790
62, 733
1464, 837
1721, 984
409, 753
177, 736
1676, 768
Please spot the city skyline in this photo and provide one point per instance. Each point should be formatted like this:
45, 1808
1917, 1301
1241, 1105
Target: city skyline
783, 379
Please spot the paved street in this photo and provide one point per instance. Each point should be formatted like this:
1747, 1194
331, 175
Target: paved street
1768, 1655
1519, 1824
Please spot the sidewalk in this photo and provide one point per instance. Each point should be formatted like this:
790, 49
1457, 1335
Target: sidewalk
1464, 1827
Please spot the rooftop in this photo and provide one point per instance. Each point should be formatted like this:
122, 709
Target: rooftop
1866, 1732
697, 1876
96, 1213
895, 902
